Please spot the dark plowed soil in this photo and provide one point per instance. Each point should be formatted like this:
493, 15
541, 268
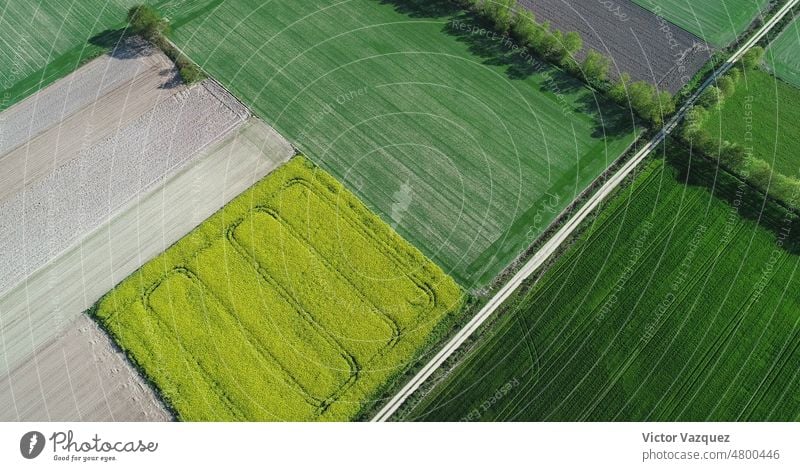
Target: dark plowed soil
638, 42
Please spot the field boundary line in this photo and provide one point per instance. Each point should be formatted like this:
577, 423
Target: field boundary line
550, 247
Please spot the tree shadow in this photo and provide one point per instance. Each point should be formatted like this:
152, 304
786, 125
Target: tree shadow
423, 8
123, 45
748, 202
520, 63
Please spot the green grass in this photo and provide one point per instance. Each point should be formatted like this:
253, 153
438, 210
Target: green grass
717, 22
674, 305
762, 113
783, 54
44, 40
452, 139
293, 302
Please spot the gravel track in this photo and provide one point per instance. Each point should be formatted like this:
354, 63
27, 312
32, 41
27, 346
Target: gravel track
638, 42
54, 364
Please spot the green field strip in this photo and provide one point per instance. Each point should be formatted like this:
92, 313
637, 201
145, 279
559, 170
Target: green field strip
783, 54
772, 379
694, 281
575, 258
698, 372
762, 113
700, 361
605, 223
728, 332
717, 22
654, 247
699, 270
671, 353
776, 365
603, 335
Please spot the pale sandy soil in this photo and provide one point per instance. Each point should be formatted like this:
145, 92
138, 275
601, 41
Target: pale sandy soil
55, 364
73, 175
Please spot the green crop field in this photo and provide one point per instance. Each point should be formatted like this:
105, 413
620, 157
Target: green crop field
783, 54
467, 150
674, 305
293, 302
717, 22
762, 113
44, 40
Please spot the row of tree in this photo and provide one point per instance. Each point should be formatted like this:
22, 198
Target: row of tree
732, 155
508, 17
147, 22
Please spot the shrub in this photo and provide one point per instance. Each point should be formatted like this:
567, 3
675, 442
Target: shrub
524, 28
752, 58
596, 67
711, 96
619, 90
732, 155
760, 172
191, 73
146, 21
726, 85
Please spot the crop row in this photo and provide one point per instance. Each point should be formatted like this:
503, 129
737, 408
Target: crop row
293, 303
673, 306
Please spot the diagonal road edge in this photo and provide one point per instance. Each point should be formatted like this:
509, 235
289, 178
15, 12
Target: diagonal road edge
562, 234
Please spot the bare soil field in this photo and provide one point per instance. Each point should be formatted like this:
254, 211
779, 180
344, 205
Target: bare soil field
72, 175
81, 89
53, 365
78, 376
637, 41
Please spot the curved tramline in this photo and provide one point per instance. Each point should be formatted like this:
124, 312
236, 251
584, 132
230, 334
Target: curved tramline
291, 303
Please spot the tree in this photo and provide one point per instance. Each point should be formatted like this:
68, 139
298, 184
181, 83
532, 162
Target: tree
693, 126
500, 13
524, 27
573, 42
726, 85
711, 96
146, 21
732, 155
642, 97
735, 74
555, 50
760, 173
752, 58
619, 90
666, 103
596, 66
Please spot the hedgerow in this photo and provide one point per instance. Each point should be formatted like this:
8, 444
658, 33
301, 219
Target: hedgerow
560, 48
